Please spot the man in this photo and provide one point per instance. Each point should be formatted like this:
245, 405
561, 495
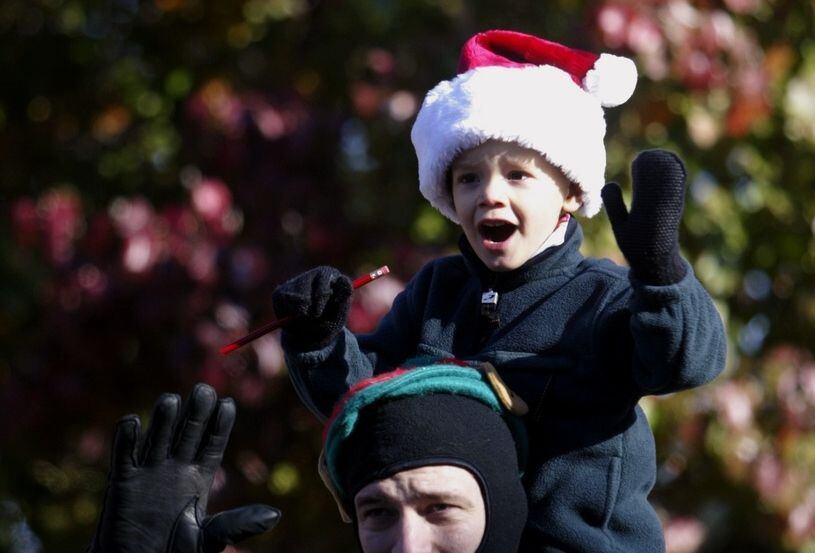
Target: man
428, 459
422, 460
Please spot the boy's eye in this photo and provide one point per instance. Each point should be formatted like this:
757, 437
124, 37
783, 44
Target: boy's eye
517, 175
466, 178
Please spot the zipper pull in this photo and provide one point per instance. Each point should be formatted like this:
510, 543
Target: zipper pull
489, 305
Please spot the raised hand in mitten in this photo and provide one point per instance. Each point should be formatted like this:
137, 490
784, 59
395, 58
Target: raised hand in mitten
648, 235
156, 499
318, 302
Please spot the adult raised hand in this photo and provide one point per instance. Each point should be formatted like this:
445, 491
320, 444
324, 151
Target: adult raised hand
158, 486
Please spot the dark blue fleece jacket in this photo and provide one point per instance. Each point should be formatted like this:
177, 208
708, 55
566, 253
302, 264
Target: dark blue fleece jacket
581, 342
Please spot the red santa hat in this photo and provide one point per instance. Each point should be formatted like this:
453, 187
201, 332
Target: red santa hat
523, 89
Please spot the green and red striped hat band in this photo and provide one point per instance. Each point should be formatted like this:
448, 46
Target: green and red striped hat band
451, 378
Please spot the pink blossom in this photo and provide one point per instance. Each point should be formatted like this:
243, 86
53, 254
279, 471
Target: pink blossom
216, 105
25, 222
211, 199
92, 280
91, 446
801, 520
770, 476
795, 393
131, 215
270, 355
643, 36
381, 61
60, 213
140, 253
612, 21
201, 263
743, 6
250, 390
371, 302
735, 404
684, 534
252, 467
274, 119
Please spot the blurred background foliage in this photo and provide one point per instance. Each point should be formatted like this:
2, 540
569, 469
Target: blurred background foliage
165, 163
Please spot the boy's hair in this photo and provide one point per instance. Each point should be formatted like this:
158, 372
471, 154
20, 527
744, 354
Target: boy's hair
522, 89
574, 188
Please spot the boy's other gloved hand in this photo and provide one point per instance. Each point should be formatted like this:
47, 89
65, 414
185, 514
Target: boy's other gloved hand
648, 235
156, 499
319, 301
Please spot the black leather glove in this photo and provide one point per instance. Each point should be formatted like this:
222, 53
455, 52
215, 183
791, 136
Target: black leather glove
319, 301
156, 499
648, 236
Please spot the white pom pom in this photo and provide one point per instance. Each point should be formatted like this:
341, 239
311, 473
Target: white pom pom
612, 80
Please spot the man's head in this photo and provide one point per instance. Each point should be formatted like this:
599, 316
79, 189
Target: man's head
508, 200
428, 508
429, 459
524, 90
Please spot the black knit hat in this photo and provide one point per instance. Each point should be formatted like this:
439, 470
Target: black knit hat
458, 421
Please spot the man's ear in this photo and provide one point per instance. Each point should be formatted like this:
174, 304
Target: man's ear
573, 200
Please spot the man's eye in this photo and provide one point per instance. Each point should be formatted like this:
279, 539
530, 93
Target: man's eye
440, 507
442, 511
377, 515
517, 175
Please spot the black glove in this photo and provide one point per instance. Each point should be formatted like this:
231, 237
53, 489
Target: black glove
648, 236
319, 301
156, 499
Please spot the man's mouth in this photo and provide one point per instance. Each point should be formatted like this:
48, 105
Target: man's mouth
496, 231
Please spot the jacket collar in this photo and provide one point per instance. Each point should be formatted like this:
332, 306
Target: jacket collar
554, 260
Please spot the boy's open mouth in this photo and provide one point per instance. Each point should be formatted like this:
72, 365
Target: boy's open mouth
496, 231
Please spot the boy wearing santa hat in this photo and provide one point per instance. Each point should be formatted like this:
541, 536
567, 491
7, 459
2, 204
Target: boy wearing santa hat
511, 149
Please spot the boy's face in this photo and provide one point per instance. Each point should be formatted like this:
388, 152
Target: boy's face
509, 200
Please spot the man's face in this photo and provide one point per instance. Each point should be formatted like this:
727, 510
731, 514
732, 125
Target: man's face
432, 509
509, 200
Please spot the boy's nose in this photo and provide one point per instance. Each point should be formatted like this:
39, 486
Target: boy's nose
493, 192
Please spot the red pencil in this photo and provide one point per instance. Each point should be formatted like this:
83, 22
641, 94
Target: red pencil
274, 325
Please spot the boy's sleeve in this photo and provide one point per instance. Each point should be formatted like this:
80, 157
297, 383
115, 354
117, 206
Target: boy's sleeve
676, 335
322, 376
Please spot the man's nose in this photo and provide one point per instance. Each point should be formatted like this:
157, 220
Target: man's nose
415, 536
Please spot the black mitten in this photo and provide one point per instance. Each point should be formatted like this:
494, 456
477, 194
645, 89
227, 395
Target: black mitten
318, 302
156, 499
648, 236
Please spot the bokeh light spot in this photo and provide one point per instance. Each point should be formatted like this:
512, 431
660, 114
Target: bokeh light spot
284, 478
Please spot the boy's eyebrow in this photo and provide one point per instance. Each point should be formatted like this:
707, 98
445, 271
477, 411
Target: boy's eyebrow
520, 158
463, 165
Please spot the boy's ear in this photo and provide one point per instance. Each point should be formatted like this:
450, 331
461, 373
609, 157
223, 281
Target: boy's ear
574, 199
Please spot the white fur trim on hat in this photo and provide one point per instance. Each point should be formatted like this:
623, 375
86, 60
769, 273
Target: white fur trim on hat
612, 80
538, 107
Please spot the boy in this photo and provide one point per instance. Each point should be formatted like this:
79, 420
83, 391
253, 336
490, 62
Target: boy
510, 149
